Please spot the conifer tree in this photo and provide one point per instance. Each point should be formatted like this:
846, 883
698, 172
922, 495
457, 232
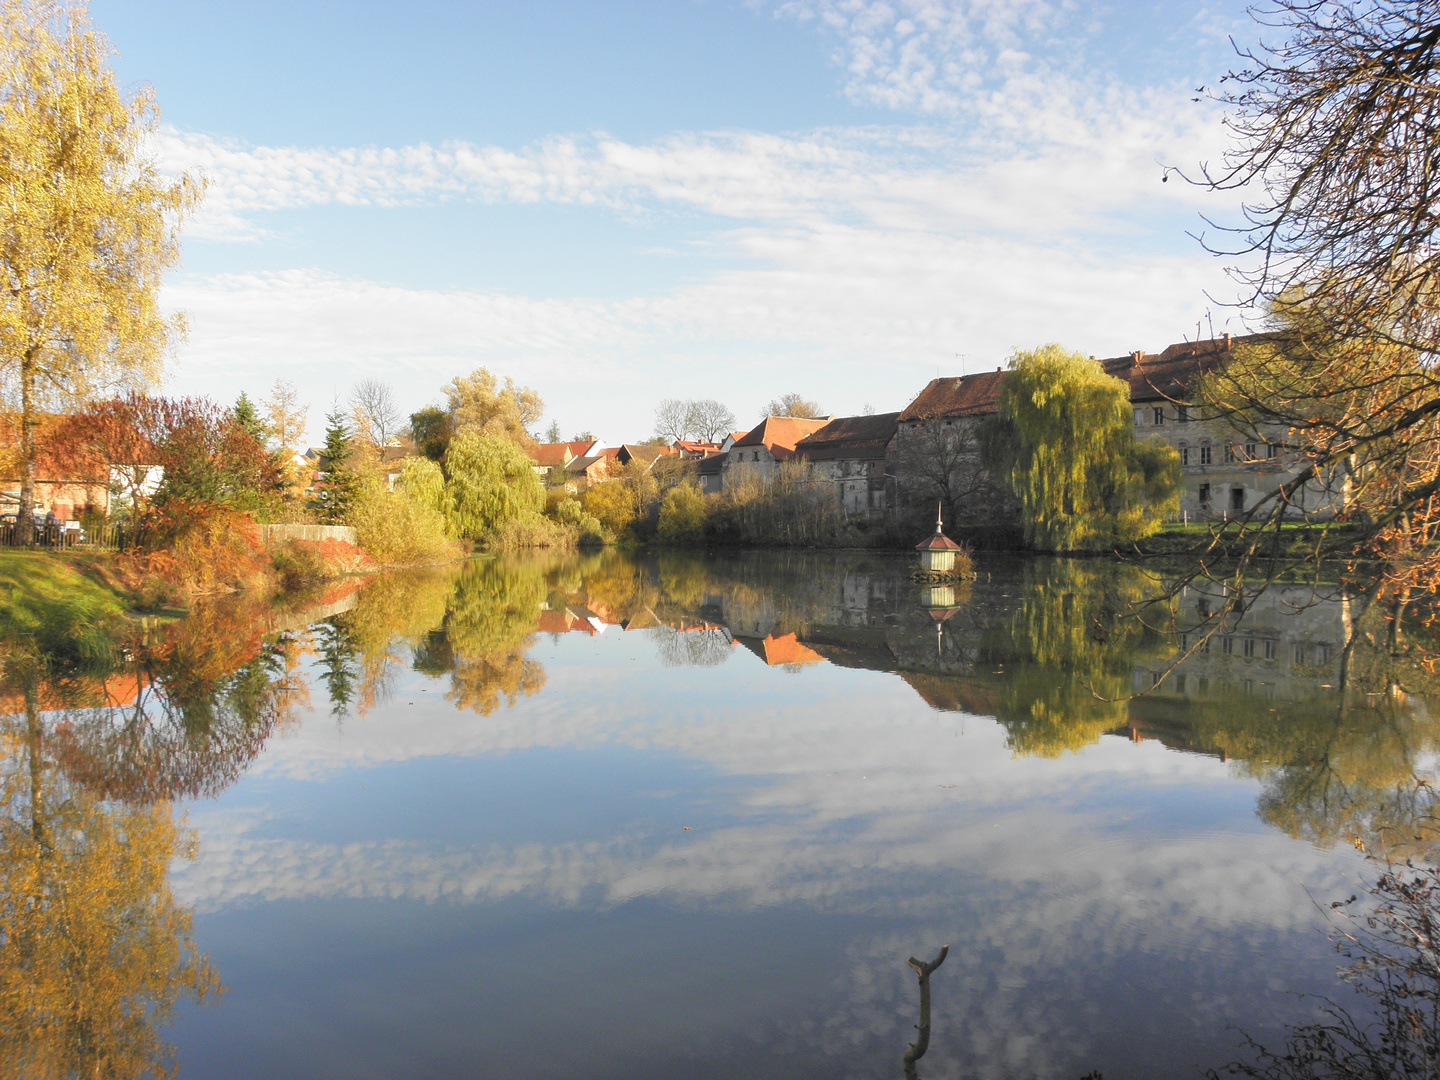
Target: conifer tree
338, 488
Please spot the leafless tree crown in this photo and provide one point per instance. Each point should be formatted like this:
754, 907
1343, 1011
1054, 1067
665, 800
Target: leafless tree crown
377, 418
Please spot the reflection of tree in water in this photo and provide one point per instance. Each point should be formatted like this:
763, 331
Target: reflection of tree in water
691, 648
182, 714
1067, 653
489, 628
339, 662
1387, 940
96, 952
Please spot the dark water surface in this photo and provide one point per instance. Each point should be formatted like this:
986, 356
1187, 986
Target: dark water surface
688, 816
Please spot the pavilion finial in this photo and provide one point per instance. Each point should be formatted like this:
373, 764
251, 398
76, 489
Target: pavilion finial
939, 519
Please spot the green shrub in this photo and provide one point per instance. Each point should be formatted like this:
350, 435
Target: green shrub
399, 527
684, 513
587, 527
531, 530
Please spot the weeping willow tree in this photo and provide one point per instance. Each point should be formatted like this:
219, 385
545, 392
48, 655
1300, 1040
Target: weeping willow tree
1064, 441
492, 484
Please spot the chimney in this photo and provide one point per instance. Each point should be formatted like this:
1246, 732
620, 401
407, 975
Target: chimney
1137, 357
998, 369
1228, 342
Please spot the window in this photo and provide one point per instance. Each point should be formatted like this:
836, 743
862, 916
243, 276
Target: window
1204, 685
1227, 644
1322, 655
1137, 417
1184, 455
1248, 647
755, 455
1248, 686
1154, 678
1229, 453
1299, 655
1204, 488
1184, 642
1205, 645
1203, 607
1182, 413
1237, 498
1205, 457
1271, 451
1269, 650
1250, 454
1159, 414
1180, 683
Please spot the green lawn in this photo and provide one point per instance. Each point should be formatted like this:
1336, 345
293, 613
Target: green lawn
47, 602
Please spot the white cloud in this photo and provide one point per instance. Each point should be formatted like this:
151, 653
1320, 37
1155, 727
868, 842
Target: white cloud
929, 55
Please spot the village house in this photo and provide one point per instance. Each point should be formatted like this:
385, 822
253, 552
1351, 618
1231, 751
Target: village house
550, 460
645, 453
67, 498
936, 451
695, 448
851, 453
1228, 465
582, 472
758, 454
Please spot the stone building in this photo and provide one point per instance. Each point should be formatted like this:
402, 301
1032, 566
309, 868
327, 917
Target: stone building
936, 451
850, 453
1228, 465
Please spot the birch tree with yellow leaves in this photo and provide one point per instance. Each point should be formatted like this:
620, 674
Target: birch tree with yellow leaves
88, 225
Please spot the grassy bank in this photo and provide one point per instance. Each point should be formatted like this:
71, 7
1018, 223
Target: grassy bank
1297, 541
52, 602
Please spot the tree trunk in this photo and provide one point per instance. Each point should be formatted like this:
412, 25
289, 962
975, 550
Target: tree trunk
25, 517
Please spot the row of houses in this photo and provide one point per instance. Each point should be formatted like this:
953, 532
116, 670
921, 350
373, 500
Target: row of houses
874, 462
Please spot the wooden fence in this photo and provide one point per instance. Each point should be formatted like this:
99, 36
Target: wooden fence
105, 538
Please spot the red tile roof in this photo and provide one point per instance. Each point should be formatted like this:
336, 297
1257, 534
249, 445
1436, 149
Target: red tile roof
850, 437
1168, 375
787, 649
551, 455
779, 434
969, 395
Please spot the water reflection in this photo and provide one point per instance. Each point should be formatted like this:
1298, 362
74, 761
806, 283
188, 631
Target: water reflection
860, 818
1052, 649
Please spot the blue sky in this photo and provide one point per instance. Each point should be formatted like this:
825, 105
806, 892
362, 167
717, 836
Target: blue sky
620, 202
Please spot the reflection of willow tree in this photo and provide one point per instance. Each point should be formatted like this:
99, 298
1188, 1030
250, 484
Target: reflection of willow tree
1069, 652
392, 616
489, 628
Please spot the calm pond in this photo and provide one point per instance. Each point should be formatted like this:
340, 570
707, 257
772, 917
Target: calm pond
687, 816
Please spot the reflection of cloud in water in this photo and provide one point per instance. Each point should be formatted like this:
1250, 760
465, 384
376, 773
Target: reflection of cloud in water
858, 803
1035, 906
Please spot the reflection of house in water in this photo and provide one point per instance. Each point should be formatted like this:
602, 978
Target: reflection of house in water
784, 650
1284, 644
